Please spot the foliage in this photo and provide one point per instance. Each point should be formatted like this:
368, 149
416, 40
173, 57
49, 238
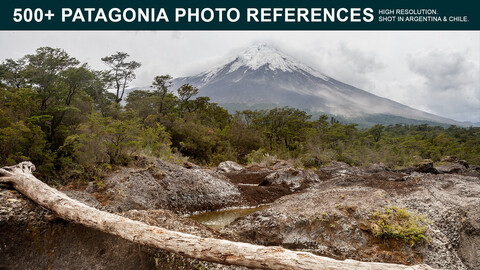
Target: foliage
121, 72
260, 156
398, 223
185, 93
155, 141
58, 113
162, 84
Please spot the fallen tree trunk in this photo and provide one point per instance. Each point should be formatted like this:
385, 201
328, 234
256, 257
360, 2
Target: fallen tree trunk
205, 249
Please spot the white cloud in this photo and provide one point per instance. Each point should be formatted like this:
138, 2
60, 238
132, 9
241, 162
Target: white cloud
450, 83
444, 70
349, 64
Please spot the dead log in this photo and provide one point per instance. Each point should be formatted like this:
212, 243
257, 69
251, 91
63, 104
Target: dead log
205, 249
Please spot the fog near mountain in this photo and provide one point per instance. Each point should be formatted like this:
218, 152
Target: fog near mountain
385, 63
261, 74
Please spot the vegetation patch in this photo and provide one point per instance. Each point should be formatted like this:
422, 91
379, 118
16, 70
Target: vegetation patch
61, 115
398, 223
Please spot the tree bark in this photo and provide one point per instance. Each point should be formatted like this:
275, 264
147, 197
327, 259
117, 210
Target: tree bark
205, 249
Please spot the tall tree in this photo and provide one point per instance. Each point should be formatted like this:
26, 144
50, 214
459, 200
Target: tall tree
121, 72
162, 83
97, 90
376, 132
43, 72
11, 73
74, 80
185, 93
143, 102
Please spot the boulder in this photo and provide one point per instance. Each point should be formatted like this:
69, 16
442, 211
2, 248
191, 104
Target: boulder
291, 178
229, 166
376, 167
464, 163
452, 164
450, 167
425, 166
164, 185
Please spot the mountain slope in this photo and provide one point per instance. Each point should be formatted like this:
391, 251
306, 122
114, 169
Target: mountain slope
263, 75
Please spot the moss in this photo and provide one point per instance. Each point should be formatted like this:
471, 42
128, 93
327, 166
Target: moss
398, 223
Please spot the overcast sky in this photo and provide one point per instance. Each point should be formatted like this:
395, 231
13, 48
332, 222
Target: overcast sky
437, 72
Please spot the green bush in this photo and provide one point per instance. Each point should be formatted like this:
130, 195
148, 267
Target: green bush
398, 223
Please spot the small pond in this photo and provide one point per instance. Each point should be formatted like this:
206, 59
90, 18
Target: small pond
219, 219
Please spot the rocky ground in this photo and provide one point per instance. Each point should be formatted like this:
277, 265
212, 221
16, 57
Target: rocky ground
33, 238
334, 217
329, 211
155, 184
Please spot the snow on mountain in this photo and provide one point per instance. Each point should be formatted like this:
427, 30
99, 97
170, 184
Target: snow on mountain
261, 74
261, 55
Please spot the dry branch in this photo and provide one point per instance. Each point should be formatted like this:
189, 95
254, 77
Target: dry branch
205, 249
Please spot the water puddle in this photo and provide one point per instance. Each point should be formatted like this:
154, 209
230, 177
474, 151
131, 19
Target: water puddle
219, 219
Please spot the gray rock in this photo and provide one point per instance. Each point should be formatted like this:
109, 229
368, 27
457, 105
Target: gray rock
169, 186
464, 163
29, 239
333, 218
291, 178
229, 166
426, 166
450, 167
376, 167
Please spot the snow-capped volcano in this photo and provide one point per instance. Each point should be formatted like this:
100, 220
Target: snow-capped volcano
263, 55
259, 56
261, 75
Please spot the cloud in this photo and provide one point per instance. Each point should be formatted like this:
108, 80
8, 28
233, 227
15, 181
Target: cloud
347, 63
444, 71
447, 83
359, 61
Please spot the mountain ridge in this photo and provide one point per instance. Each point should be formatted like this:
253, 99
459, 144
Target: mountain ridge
262, 74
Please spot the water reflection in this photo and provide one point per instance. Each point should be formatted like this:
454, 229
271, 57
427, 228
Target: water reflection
219, 219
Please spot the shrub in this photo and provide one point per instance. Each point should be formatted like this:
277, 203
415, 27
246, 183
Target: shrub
398, 223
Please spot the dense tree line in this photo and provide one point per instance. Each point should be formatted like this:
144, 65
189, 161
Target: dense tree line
57, 112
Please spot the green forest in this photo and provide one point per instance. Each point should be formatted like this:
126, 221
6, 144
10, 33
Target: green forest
68, 120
